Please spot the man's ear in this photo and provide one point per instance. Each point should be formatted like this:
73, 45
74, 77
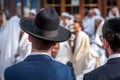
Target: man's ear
105, 44
107, 47
29, 38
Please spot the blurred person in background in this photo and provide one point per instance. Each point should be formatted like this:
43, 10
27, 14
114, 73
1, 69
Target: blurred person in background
15, 44
66, 19
9, 41
32, 13
97, 11
55, 50
97, 21
78, 18
89, 23
95, 44
84, 58
64, 52
114, 12
65, 49
111, 40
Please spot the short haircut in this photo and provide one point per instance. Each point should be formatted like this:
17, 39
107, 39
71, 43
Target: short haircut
41, 44
111, 32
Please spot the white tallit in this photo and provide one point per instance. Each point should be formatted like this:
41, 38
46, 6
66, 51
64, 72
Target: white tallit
9, 40
84, 58
64, 53
98, 34
99, 43
24, 48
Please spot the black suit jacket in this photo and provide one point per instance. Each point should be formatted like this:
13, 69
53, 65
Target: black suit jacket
39, 67
109, 71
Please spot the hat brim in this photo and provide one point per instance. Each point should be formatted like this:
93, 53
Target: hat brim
27, 25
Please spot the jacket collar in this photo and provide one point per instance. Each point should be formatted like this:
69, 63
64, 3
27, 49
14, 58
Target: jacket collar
113, 60
115, 55
38, 57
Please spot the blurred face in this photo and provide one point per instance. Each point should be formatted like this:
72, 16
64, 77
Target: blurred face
97, 23
91, 13
78, 18
76, 27
1, 19
65, 20
113, 10
55, 50
31, 15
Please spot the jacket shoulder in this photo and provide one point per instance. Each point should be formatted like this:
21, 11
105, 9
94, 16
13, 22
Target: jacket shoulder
100, 73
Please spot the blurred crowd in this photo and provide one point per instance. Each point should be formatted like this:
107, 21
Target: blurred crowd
83, 51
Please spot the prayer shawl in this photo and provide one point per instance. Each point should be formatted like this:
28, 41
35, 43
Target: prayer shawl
64, 53
89, 27
98, 34
83, 54
24, 48
9, 40
99, 43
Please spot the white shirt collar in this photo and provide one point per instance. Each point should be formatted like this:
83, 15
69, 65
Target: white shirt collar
40, 53
116, 55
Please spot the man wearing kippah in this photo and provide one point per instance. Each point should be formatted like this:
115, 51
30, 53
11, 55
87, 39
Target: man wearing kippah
44, 33
111, 43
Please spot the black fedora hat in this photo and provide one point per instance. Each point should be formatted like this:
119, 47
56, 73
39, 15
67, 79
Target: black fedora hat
46, 26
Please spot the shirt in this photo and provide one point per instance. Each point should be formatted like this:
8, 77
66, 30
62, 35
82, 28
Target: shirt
40, 53
116, 55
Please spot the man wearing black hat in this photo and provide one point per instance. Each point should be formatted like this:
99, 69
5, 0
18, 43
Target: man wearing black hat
44, 33
111, 43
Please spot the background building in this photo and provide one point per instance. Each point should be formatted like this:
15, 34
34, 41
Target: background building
71, 6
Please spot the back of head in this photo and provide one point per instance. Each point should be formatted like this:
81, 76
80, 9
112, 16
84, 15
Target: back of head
111, 32
41, 44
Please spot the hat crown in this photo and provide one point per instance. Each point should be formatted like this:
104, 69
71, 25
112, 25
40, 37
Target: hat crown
45, 26
47, 19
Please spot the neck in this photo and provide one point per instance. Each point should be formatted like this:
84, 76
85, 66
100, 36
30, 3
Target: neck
110, 52
43, 51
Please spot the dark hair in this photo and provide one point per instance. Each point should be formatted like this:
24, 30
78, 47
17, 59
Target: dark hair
42, 44
111, 32
76, 21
